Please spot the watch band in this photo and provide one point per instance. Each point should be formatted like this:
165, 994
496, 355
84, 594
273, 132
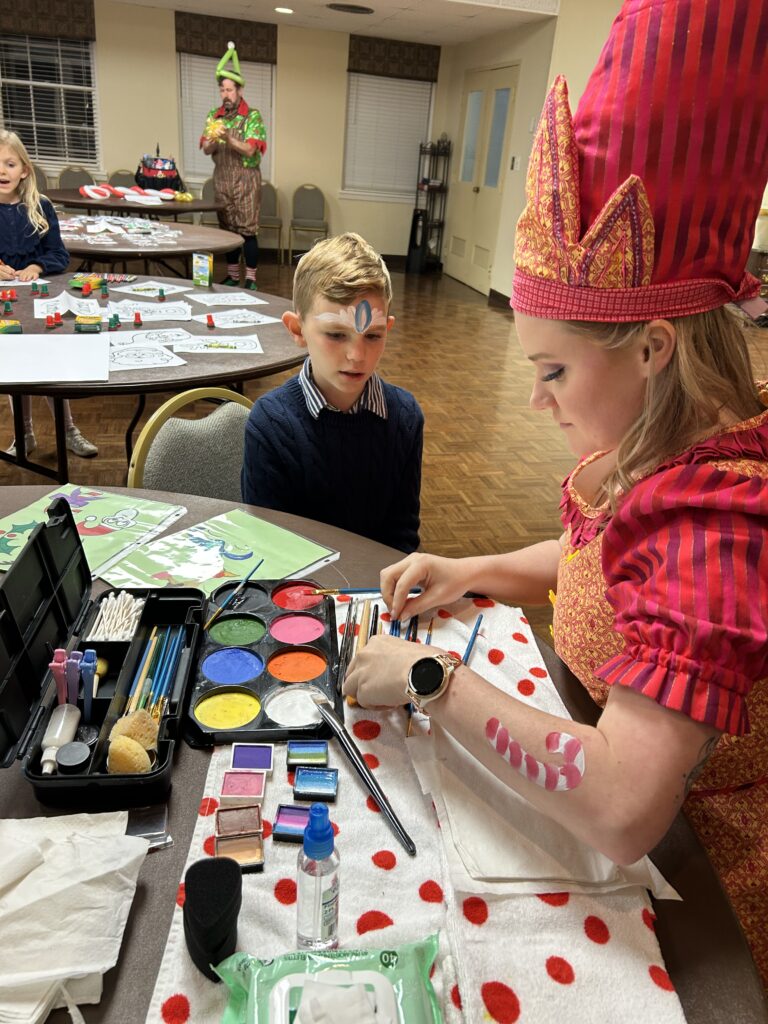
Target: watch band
450, 662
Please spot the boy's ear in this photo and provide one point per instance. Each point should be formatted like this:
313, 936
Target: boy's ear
390, 323
293, 322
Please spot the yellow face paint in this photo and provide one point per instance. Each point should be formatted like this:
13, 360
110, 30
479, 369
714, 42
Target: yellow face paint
228, 710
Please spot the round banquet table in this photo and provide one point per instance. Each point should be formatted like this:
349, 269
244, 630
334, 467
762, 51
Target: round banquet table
71, 197
200, 369
188, 238
705, 952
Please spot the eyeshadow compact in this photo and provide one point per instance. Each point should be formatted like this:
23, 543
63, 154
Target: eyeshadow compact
316, 784
258, 663
290, 822
239, 835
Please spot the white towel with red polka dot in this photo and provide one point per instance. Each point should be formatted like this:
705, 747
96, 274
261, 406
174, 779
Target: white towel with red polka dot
545, 959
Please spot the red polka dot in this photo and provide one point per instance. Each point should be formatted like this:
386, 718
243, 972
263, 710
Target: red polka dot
175, 1009
554, 899
371, 804
501, 1002
343, 626
285, 891
523, 619
597, 930
371, 760
475, 910
520, 637
335, 828
527, 687
431, 892
660, 977
456, 997
443, 613
209, 845
372, 920
266, 828
495, 656
181, 894
207, 806
483, 602
455, 654
343, 598
560, 970
649, 919
384, 859
385, 617
365, 729
540, 673
291, 776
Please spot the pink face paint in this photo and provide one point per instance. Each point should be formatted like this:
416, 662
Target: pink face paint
546, 774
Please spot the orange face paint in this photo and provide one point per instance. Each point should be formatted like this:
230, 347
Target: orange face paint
296, 666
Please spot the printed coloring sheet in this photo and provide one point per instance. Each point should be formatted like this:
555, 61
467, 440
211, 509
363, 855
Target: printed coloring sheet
221, 345
126, 308
151, 289
236, 318
228, 299
66, 303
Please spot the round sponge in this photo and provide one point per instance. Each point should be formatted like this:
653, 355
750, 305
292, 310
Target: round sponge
139, 726
127, 757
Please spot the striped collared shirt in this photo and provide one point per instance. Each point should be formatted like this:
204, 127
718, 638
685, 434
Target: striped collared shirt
371, 399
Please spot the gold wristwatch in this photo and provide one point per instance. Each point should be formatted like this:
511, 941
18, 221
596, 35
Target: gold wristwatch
429, 677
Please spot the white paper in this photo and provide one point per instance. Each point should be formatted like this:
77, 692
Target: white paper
233, 318
151, 289
142, 357
65, 303
14, 282
162, 336
228, 299
220, 345
126, 309
53, 358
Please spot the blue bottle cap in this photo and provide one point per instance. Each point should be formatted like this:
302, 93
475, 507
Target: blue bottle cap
318, 835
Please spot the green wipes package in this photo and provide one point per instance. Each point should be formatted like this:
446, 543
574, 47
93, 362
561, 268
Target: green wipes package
361, 985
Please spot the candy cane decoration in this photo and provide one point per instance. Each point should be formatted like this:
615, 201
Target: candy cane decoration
541, 773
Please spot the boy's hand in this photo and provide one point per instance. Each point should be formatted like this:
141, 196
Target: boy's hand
6, 273
30, 273
377, 676
442, 580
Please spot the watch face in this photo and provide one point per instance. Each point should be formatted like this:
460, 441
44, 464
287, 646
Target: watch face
426, 676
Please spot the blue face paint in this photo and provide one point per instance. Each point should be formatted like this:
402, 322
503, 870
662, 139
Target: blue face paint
363, 316
232, 665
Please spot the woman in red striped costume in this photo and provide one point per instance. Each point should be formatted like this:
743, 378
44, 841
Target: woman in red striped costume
630, 251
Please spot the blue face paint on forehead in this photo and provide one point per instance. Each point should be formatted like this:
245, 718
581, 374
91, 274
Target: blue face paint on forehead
363, 316
360, 318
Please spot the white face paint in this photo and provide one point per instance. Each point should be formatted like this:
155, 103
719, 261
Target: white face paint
359, 318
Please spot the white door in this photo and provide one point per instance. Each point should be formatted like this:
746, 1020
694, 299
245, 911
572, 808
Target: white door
487, 105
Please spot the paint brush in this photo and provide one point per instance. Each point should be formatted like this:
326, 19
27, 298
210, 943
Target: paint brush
374, 622
428, 637
348, 745
472, 639
373, 591
231, 596
346, 644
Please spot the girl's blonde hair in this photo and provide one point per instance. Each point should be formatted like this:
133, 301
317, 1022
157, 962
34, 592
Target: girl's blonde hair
28, 191
709, 372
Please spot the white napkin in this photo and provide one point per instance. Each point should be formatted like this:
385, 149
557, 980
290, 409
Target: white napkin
63, 915
325, 1003
497, 842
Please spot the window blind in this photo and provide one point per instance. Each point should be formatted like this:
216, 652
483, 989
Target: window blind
387, 119
200, 94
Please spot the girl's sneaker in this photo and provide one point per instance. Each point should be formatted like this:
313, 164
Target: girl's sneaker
80, 445
251, 286
30, 443
231, 282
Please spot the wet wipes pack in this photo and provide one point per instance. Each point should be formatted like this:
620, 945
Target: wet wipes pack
373, 985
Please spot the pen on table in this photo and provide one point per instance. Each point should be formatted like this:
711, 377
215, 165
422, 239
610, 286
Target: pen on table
73, 676
472, 639
226, 600
88, 671
58, 669
357, 760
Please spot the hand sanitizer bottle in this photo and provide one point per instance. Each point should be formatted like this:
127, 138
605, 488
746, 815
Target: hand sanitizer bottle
61, 729
317, 884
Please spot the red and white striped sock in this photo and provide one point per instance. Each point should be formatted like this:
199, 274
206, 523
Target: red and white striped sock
250, 273
233, 271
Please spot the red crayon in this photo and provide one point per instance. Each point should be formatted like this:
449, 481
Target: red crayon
49, 322
13, 296
87, 289
57, 319
210, 321
137, 319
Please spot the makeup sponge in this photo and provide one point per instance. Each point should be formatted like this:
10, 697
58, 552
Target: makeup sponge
138, 725
213, 891
127, 757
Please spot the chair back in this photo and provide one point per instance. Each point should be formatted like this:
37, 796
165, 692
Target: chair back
74, 177
41, 179
207, 191
268, 201
309, 204
122, 177
193, 456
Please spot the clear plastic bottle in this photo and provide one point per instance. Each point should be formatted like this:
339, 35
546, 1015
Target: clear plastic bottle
61, 729
317, 884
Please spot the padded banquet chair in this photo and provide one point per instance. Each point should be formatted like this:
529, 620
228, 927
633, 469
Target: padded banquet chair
122, 177
74, 177
269, 215
193, 456
308, 215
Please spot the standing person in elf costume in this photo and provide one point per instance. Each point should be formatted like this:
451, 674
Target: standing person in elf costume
633, 242
235, 137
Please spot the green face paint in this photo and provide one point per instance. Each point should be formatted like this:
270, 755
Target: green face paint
237, 631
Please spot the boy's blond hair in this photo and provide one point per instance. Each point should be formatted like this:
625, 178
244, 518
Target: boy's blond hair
28, 192
339, 269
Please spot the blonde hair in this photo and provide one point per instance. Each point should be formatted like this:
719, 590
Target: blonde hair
709, 372
28, 192
339, 269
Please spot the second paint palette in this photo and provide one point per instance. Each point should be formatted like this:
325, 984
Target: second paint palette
258, 662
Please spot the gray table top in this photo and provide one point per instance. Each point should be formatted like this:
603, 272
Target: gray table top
188, 238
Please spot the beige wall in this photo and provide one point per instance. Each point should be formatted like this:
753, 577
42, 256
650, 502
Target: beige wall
582, 29
137, 83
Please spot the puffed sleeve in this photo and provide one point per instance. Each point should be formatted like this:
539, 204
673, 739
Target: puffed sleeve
254, 132
685, 560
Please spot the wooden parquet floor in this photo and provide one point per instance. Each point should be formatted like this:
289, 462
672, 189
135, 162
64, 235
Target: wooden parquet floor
492, 467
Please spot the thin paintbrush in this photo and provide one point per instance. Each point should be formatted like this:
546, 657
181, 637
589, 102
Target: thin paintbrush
348, 745
374, 622
346, 644
428, 637
231, 596
472, 639
373, 591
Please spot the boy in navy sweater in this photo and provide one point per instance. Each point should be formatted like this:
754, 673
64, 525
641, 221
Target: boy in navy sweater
337, 443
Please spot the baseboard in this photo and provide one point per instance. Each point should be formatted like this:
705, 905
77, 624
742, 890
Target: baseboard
499, 301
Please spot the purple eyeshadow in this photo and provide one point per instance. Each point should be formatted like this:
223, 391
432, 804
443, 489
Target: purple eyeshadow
253, 755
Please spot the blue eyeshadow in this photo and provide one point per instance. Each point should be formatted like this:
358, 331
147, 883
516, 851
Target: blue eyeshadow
316, 784
290, 822
308, 752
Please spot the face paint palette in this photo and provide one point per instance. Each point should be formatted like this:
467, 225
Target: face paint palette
258, 663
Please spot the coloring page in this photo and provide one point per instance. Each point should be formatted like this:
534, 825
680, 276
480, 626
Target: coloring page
220, 345
228, 299
162, 336
66, 303
14, 282
151, 289
236, 318
148, 310
142, 357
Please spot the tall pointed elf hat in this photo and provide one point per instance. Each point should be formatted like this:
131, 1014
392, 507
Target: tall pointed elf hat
644, 204
233, 73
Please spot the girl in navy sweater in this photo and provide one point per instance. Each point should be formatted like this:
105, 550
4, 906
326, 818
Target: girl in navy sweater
30, 245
